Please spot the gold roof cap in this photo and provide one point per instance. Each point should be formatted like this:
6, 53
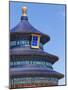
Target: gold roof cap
24, 11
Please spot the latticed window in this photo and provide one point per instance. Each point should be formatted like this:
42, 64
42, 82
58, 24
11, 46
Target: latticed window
20, 63
19, 43
35, 42
26, 80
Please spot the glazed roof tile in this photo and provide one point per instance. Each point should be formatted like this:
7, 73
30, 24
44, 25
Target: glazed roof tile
24, 27
50, 57
28, 71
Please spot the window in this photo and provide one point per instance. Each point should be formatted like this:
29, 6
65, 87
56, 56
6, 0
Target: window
21, 63
35, 41
19, 43
25, 80
13, 43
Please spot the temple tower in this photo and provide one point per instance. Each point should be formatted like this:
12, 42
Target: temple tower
30, 65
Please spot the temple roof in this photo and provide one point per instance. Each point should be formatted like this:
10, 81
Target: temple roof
49, 57
29, 71
25, 27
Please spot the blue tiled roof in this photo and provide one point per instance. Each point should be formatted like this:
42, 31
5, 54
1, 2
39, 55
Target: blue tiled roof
51, 58
25, 27
35, 71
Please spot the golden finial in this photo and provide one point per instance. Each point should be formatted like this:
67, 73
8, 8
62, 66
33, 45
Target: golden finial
24, 11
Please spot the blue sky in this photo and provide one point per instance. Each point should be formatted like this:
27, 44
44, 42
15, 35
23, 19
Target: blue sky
49, 19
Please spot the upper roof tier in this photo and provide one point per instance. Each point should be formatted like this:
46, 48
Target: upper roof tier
24, 27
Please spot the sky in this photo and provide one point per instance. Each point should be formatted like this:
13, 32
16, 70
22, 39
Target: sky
49, 19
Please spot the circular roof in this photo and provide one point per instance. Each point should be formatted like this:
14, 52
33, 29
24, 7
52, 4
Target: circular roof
24, 27
49, 57
29, 71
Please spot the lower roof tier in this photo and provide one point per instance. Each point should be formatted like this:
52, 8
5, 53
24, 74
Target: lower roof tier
33, 53
14, 72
